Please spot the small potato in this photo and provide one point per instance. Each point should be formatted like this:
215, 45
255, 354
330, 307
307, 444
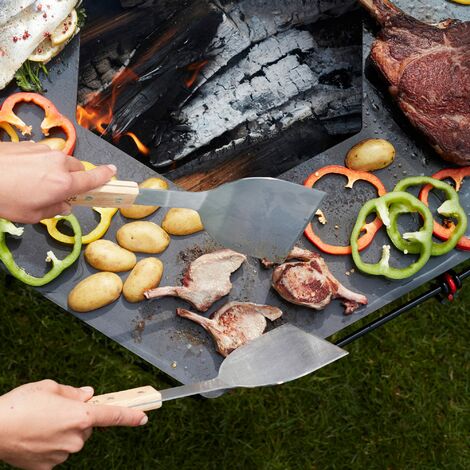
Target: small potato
106, 255
95, 291
139, 212
54, 143
143, 237
182, 222
146, 275
370, 155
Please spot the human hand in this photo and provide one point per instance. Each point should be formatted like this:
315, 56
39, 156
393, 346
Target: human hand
42, 423
35, 181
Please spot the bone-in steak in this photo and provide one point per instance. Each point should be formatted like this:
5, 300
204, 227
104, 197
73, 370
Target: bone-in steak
428, 68
309, 282
234, 324
206, 280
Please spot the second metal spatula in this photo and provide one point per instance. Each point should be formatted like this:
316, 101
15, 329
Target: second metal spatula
261, 217
284, 354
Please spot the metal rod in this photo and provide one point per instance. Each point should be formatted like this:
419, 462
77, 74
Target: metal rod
397, 312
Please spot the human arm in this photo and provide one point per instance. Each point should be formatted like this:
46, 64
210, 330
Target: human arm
35, 181
42, 423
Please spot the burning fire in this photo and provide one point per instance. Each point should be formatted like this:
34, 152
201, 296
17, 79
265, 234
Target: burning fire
143, 149
94, 120
196, 69
98, 114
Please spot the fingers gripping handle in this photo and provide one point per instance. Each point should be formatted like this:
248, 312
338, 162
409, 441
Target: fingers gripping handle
142, 398
112, 194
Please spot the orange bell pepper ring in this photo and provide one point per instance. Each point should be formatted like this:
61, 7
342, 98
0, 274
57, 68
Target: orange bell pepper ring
52, 119
457, 175
368, 230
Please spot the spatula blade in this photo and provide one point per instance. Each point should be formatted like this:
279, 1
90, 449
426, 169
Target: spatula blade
286, 353
282, 355
260, 217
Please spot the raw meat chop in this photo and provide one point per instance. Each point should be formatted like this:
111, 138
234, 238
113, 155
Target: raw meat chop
206, 280
428, 68
310, 283
234, 324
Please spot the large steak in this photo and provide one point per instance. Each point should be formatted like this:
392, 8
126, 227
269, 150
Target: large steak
428, 68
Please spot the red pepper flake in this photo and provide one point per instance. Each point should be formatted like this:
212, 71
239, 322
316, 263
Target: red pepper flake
39, 7
15, 39
26, 35
47, 35
44, 15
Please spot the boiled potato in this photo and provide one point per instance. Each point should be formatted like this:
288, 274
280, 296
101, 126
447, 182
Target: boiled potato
54, 143
105, 255
182, 222
95, 291
139, 212
370, 155
143, 237
146, 275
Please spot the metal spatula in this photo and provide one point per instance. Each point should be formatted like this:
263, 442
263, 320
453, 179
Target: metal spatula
261, 217
284, 354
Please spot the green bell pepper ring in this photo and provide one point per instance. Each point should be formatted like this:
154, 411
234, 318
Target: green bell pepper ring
450, 208
58, 266
383, 206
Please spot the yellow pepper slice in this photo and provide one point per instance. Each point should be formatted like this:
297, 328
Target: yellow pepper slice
10, 131
463, 2
98, 232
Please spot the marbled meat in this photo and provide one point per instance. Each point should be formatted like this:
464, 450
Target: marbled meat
428, 69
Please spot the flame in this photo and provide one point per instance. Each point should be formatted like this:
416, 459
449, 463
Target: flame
143, 149
196, 69
98, 113
94, 120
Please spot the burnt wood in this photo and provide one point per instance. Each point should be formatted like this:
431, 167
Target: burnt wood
267, 78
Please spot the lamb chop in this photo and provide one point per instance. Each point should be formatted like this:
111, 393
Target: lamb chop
428, 68
207, 279
309, 283
234, 324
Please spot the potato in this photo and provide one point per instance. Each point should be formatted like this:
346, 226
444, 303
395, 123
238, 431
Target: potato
146, 274
95, 291
54, 143
139, 212
370, 155
106, 255
143, 237
182, 222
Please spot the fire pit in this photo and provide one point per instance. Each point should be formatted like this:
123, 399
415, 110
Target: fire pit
212, 91
151, 329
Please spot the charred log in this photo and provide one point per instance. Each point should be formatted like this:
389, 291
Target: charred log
112, 37
282, 80
234, 85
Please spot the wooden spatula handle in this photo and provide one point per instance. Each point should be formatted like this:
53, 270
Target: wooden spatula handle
142, 398
112, 194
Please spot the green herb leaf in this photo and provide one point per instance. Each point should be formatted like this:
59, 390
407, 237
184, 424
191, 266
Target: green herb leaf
28, 77
81, 14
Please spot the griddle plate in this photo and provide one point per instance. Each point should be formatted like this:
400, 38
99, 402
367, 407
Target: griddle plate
151, 329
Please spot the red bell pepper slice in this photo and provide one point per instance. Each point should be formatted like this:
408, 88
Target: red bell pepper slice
369, 230
51, 120
457, 175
